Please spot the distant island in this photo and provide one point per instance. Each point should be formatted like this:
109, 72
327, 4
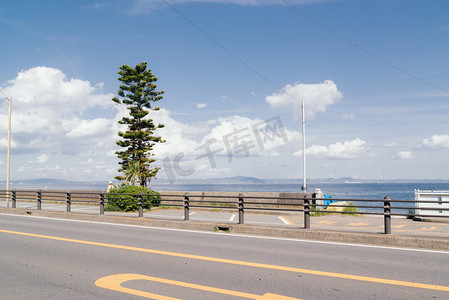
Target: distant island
49, 183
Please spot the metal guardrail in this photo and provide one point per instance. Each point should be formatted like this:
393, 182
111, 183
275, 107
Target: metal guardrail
240, 203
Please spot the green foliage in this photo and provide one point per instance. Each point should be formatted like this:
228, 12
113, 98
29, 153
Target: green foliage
317, 213
126, 198
350, 208
138, 92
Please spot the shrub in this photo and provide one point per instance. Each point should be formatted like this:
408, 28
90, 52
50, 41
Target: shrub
126, 198
350, 208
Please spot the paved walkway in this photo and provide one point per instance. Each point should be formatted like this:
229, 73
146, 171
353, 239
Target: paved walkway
369, 223
337, 222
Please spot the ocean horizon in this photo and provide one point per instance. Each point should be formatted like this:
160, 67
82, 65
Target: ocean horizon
350, 190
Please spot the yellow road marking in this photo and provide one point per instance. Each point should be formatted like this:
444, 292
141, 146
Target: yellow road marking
357, 224
114, 282
326, 222
242, 263
286, 220
429, 228
398, 226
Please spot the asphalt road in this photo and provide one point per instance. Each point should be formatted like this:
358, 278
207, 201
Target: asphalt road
60, 259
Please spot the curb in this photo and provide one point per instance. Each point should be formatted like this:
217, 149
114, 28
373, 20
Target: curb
375, 239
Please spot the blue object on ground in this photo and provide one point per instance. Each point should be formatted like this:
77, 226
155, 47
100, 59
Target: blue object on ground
327, 202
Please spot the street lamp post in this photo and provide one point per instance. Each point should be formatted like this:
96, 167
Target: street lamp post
9, 152
304, 187
8, 167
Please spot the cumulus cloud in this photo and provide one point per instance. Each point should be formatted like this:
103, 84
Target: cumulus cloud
403, 155
49, 108
180, 137
201, 150
232, 136
437, 141
242, 136
339, 150
201, 105
52, 113
317, 97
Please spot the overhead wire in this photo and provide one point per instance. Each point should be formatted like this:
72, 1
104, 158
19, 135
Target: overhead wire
319, 23
366, 51
5, 101
221, 45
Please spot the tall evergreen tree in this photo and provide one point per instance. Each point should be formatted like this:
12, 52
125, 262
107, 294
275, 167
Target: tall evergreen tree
138, 92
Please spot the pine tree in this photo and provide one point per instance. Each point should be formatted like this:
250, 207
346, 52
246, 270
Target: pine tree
138, 92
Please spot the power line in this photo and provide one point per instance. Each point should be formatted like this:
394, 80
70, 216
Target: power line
4, 102
340, 36
222, 46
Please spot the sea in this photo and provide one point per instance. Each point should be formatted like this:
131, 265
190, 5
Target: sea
349, 191
340, 191
396, 191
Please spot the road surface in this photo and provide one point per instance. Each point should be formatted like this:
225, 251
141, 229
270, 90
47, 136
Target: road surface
59, 259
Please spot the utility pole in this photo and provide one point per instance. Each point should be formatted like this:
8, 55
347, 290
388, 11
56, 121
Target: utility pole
304, 187
8, 167
9, 153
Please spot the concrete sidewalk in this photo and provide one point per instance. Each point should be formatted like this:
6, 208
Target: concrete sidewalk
326, 228
375, 224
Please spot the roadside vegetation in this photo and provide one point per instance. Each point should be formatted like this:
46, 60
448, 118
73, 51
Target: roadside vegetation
126, 198
350, 209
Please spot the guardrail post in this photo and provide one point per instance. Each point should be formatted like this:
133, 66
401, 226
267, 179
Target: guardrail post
186, 206
306, 212
39, 199
69, 202
14, 198
241, 210
141, 205
387, 215
101, 204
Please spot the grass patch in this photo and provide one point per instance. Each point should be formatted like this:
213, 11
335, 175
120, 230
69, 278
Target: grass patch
350, 209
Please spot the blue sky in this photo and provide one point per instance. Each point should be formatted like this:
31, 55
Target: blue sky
373, 75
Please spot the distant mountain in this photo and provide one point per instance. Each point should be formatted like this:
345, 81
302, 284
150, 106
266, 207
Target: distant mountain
233, 180
49, 183
55, 184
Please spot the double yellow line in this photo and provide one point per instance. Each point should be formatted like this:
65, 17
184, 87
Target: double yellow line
241, 263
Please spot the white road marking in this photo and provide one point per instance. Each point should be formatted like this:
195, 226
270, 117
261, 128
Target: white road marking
233, 234
284, 220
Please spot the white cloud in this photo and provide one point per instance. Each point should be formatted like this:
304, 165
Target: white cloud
437, 141
339, 150
241, 136
403, 155
53, 114
350, 116
43, 158
393, 145
180, 137
48, 111
207, 149
85, 128
201, 105
317, 97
